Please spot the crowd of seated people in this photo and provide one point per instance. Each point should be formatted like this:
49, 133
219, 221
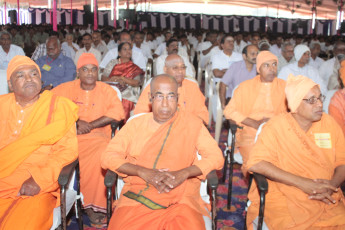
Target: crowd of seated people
102, 72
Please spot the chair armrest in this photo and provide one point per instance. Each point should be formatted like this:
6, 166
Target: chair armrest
114, 125
261, 182
66, 173
110, 178
212, 180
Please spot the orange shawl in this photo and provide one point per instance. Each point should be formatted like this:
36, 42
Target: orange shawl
242, 102
284, 144
172, 146
46, 125
337, 108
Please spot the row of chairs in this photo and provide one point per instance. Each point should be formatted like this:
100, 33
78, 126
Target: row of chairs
112, 184
212, 180
212, 93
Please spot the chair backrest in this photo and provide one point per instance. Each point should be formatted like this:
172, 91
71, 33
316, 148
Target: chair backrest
119, 95
328, 98
3, 82
259, 131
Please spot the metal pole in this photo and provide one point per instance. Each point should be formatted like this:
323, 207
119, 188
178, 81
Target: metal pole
54, 16
115, 6
5, 13
18, 18
95, 22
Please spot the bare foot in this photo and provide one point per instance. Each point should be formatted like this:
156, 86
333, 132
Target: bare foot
96, 218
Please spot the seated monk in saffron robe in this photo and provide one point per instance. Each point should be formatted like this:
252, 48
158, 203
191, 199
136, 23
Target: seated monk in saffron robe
127, 76
336, 106
99, 105
255, 101
302, 153
37, 139
190, 98
155, 154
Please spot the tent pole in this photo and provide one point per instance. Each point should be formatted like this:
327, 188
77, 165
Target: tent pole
95, 12
54, 16
18, 18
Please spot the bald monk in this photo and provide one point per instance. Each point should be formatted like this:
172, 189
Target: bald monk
37, 139
190, 98
255, 101
302, 153
99, 105
337, 104
155, 154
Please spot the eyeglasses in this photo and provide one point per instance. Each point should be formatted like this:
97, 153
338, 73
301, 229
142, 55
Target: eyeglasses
313, 100
160, 97
175, 68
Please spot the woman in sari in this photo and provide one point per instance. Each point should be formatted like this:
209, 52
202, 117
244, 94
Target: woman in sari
126, 76
337, 105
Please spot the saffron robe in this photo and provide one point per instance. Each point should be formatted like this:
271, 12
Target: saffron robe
140, 141
314, 155
35, 141
93, 104
256, 100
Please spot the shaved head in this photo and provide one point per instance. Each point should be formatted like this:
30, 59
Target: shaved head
172, 59
175, 66
162, 78
163, 97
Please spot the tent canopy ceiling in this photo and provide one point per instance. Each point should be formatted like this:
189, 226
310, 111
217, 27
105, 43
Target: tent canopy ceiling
327, 8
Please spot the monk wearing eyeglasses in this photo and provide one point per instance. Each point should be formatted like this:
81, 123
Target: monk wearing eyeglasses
302, 153
255, 101
190, 98
155, 154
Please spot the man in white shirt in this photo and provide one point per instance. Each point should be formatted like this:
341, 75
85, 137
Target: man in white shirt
331, 66
87, 42
113, 41
162, 47
137, 57
276, 48
287, 56
255, 39
208, 48
184, 44
8, 50
315, 49
239, 43
149, 42
69, 46
222, 60
138, 43
98, 44
301, 67
172, 48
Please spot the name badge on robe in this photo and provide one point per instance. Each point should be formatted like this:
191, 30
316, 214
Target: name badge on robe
323, 140
46, 67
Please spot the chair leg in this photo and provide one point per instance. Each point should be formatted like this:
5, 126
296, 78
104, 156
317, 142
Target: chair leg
63, 207
109, 201
214, 209
261, 210
225, 166
79, 211
231, 172
249, 185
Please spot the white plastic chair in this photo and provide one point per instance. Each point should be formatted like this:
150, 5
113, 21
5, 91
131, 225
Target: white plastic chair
328, 98
71, 198
3, 82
